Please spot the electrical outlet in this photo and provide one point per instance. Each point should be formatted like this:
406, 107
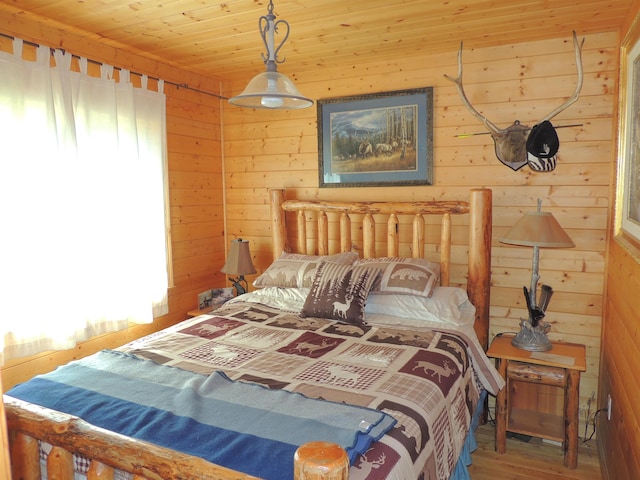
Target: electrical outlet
608, 407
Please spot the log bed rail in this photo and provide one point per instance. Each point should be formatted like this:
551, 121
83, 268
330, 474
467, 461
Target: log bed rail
106, 451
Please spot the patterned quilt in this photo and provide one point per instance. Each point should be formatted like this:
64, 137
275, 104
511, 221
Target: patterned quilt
428, 380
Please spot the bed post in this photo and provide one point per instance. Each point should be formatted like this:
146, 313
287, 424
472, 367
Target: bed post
278, 222
4, 439
479, 281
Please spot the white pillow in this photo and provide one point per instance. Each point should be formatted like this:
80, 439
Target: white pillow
288, 299
445, 306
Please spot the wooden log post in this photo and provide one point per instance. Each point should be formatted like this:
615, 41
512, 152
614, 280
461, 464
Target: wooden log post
368, 236
278, 223
478, 284
323, 233
445, 250
25, 457
100, 471
59, 463
571, 418
418, 236
501, 409
5, 463
345, 232
301, 222
320, 461
393, 240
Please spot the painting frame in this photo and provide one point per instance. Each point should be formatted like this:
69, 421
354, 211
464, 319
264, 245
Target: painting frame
397, 126
628, 181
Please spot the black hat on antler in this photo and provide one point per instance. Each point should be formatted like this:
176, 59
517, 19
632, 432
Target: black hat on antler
543, 140
542, 147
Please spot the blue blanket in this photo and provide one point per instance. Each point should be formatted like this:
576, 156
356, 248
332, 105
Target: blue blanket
242, 426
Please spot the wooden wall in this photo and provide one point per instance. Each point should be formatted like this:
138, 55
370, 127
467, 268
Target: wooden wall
279, 149
195, 186
619, 438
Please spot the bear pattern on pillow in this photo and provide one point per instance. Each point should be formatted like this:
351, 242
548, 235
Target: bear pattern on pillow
411, 276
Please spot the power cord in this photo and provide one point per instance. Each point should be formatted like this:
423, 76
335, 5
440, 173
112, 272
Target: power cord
507, 333
490, 417
588, 413
595, 416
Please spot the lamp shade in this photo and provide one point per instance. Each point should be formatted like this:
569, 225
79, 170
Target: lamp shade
538, 229
239, 259
271, 90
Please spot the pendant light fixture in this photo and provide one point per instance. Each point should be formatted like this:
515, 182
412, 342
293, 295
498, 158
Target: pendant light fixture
271, 89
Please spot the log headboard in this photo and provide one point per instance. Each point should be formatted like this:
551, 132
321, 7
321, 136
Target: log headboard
365, 217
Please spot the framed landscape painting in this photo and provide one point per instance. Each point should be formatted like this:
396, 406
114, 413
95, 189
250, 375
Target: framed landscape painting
380, 139
628, 197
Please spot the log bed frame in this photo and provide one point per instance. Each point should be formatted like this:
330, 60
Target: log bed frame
107, 451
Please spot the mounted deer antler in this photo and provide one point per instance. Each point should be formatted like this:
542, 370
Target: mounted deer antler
510, 142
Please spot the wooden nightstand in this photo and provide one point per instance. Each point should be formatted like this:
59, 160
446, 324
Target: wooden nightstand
205, 310
202, 311
557, 369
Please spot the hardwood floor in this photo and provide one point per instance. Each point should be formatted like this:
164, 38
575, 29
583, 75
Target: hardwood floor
533, 460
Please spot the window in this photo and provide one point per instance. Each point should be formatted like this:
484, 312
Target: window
84, 246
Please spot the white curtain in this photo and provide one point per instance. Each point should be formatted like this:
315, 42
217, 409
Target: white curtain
82, 203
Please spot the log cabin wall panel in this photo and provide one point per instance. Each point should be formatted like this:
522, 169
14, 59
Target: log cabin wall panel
195, 185
620, 366
619, 438
266, 149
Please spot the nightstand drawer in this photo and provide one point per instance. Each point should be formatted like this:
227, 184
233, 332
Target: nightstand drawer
528, 372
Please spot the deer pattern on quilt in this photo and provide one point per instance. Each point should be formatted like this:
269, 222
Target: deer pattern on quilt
383, 368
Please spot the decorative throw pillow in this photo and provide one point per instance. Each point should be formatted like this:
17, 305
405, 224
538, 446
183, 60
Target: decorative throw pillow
297, 270
339, 292
411, 276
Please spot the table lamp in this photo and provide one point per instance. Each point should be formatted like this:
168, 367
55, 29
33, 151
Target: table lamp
538, 230
239, 263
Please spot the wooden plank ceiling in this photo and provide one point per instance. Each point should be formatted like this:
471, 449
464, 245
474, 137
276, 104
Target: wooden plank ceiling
221, 39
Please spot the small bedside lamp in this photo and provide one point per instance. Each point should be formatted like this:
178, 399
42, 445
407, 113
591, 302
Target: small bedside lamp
536, 229
239, 263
